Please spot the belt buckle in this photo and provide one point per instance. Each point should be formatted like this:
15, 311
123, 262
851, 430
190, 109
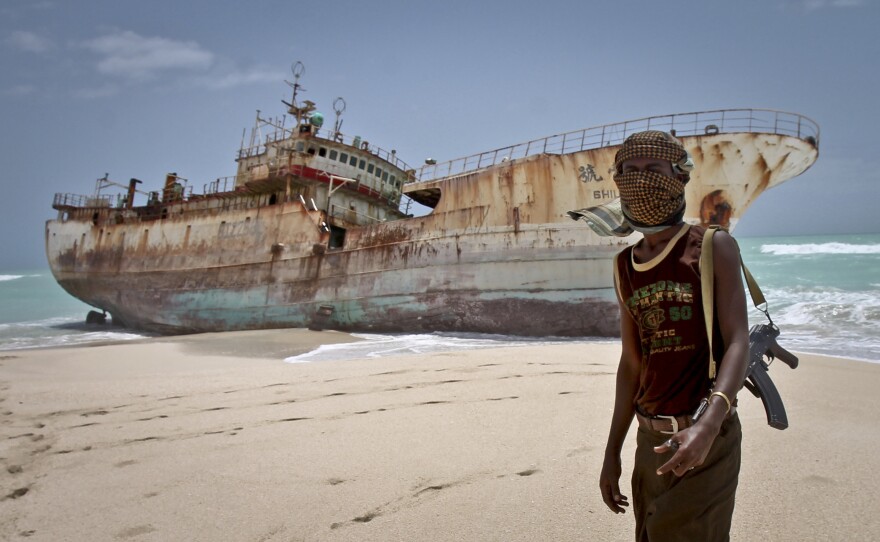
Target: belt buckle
674, 422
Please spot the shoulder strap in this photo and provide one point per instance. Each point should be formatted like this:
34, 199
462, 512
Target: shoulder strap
617, 276
707, 278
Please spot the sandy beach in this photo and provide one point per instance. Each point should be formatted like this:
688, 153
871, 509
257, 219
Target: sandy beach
213, 437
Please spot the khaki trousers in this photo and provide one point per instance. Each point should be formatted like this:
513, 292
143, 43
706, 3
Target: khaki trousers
697, 507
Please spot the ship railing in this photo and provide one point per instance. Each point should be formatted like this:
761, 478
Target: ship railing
407, 205
681, 124
351, 216
219, 185
101, 201
277, 134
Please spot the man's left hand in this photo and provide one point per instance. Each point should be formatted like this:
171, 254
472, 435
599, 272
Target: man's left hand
690, 447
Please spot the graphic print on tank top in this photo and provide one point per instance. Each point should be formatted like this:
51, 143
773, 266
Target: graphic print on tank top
664, 299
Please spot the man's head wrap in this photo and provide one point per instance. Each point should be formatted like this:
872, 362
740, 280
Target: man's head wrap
649, 198
658, 145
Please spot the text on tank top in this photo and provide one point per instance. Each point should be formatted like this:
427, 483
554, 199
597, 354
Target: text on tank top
663, 296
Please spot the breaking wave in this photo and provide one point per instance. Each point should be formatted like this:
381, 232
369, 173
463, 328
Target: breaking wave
378, 346
60, 331
820, 248
827, 321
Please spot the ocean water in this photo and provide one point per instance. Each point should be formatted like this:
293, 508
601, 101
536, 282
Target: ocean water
822, 291
36, 312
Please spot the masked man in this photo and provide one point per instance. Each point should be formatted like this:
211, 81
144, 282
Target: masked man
685, 474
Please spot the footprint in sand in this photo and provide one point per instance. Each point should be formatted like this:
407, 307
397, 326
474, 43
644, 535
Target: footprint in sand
131, 532
20, 492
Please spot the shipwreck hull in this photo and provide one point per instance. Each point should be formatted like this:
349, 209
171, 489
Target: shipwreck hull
498, 254
501, 282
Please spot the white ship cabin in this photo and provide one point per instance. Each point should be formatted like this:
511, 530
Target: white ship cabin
351, 180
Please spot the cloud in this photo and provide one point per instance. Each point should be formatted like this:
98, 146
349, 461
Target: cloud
97, 92
133, 58
20, 90
813, 5
138, 58
30, 42
234, 78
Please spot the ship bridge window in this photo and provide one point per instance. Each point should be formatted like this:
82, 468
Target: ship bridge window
353, 161
370, 168
300, 146
322, 152
362, 165
379, 172
343, 157
333, 155
312, 151
385, 176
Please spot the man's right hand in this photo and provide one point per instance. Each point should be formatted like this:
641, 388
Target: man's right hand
608, 483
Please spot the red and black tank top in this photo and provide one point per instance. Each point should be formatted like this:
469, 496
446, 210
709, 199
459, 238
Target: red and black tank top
663, 296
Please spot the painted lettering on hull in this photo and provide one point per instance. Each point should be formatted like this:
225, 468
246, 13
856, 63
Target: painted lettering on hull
605, 194
588, 173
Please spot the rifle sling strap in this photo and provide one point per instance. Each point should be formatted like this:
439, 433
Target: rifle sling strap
707, 274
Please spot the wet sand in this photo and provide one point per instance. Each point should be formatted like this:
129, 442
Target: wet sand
213, 437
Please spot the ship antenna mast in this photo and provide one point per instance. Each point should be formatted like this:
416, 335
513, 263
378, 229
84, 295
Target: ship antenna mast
339, 107
299, 111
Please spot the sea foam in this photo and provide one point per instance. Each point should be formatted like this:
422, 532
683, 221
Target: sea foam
378, 346
820, 248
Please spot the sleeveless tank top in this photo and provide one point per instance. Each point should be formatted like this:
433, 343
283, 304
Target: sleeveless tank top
663, 297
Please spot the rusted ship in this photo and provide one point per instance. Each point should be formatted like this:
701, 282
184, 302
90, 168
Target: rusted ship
318, 229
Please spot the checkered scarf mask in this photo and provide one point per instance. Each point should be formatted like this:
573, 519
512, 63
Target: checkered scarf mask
649, 198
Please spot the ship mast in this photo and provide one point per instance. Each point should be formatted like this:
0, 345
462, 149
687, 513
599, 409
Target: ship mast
339, 107
299, 111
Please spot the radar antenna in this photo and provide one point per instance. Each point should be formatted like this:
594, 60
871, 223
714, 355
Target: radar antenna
297, 69
339, 107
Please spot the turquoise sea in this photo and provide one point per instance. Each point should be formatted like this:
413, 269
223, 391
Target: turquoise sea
823, 293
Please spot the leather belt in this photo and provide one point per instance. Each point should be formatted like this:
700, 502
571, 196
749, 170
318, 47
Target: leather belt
668, 425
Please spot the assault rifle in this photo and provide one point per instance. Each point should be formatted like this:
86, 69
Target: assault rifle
762, 343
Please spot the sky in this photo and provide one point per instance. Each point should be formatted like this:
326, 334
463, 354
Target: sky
140, 89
